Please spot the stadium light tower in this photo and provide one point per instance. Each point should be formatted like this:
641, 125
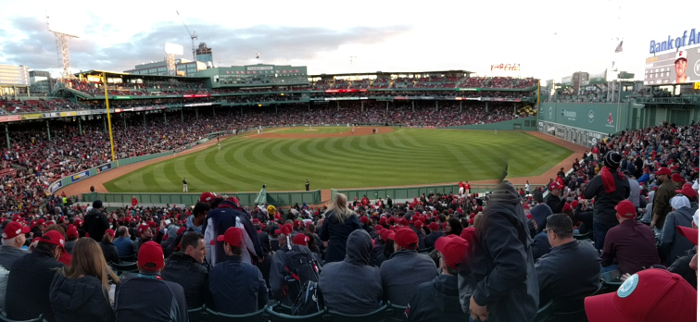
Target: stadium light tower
192, 34
62, 50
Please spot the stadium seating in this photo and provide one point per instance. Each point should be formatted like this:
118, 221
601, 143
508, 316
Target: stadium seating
379, 315
221, 317
4, 319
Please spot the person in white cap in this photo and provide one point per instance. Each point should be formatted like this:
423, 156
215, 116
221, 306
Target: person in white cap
681, 66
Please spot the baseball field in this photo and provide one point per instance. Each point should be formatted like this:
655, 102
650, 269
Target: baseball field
334, 157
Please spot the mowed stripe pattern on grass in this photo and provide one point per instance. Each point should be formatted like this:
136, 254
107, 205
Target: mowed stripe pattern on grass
401, 157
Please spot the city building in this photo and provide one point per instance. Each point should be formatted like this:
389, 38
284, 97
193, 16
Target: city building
203, 54
184, 67
14, 80
40, 81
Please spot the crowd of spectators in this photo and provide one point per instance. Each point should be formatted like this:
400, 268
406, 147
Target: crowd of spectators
513, 250
9, 106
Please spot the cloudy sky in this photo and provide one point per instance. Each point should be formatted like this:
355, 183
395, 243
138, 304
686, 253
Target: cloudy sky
549, 38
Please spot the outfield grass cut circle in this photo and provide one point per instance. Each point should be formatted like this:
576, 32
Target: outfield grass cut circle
400, 157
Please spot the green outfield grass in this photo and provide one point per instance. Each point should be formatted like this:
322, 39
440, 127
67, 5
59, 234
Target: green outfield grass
402, 157
314, 129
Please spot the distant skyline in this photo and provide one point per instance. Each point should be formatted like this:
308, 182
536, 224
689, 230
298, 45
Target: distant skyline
549, 39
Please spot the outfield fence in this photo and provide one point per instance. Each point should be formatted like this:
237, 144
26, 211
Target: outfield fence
277, 198
401, 193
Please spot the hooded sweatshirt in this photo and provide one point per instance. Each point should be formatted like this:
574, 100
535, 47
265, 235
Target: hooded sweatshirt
501, 273
78, 300
352, 286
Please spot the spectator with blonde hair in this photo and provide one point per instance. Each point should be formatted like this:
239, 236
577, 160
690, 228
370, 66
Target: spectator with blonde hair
340, 221
80, 292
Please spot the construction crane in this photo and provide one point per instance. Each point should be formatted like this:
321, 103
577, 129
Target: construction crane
193, 36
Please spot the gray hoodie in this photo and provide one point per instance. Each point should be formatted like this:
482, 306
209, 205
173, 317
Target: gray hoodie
352, 286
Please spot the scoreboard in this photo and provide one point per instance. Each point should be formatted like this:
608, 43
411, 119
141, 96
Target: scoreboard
14, 75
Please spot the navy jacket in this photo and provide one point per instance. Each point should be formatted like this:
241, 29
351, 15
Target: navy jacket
502, 270
336, 234
80, 300
9, 254
437, 300
403, 272
568, 274
143, 298
29, 284
540, 245
432, 238
237, 287
192, 276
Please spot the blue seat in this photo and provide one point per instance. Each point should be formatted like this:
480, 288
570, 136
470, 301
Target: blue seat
379, 315
222, 317
273, 316
199, 314
4, 319
545, 313
611, 281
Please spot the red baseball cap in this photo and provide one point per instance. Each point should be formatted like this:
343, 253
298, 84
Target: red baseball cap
297, 223
650, 295
207, 196
72, 232
663, 171
53, 237
677, 178
468, 234
434, 226
385, 234
110, 232
364, 220
286, 229
403, 221
300, 239
151, 256
418, 224
567, 207
142, 228
406, 238
14, 229
233, 236
556, 185
626, 209
688, 191
453, 248
382, 221
690, 233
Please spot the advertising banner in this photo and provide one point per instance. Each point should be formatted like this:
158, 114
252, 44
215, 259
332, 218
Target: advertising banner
195, 95
681, 67
83, 112
593, 117
121, 97
506, 67
80, 176
344, 90
10, 118
468, 89
50, 115
104, 168
55, 186
68, 114
31, 116
567, 81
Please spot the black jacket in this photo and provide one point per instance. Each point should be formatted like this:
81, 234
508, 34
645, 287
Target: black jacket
9, 254
336, 234
604, 207
568, 274
555, 203
110, 251
502, 270
149, 299
29, 284
192, 276
403, 272
80, 300
96, 224
437, 301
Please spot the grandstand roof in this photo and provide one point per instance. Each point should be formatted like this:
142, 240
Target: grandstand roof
97, 72
458, 71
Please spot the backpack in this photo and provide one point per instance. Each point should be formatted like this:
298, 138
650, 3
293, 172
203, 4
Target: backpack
301, 268
309, 301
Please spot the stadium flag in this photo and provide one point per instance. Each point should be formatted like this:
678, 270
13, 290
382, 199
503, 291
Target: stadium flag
257, 56
618, 49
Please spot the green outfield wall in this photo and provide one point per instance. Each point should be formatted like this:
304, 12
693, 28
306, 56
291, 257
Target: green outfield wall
277, 198
521, 124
